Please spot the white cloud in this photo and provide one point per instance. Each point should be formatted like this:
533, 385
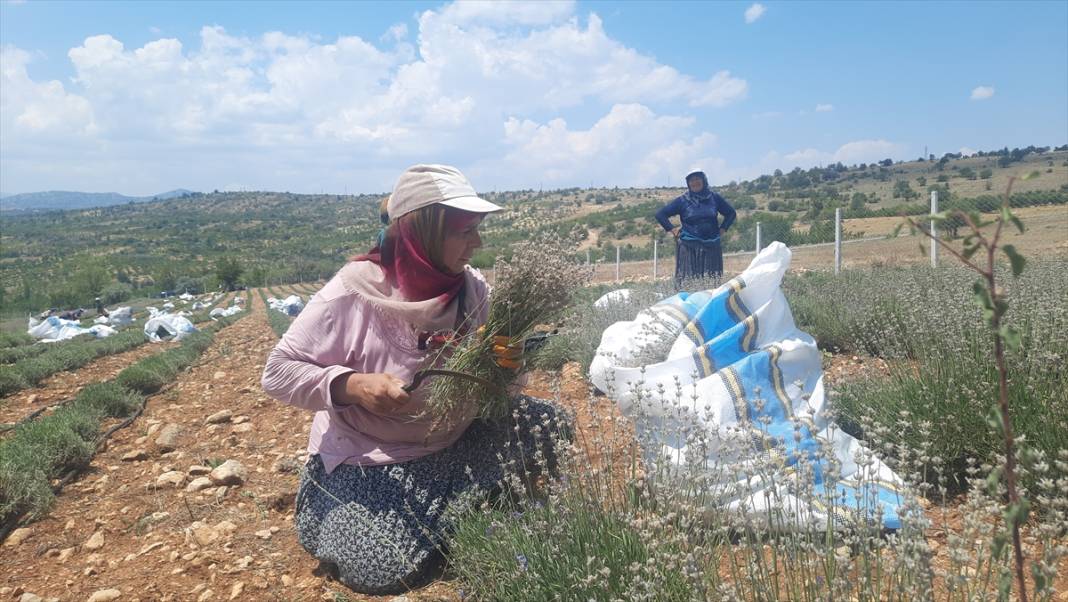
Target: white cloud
492, 12
967, 152
629, 146
850, 153
396, 32
982, 92
38, 110
824, 108
293, 112
754, 12
155, 30
866, 151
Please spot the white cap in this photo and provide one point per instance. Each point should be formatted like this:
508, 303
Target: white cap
422, 185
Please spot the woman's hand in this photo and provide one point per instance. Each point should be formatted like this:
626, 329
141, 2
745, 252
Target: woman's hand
381, 394
505, 354
676, 231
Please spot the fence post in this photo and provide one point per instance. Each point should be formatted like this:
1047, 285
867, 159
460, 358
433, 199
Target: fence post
654, 259
934, 230
837, 240
587, 257
758, 238
617, 264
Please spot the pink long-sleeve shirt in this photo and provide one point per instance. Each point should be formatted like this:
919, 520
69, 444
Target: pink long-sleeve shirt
340, 332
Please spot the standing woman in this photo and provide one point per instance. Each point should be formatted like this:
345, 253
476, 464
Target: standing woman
381, 482
698, 251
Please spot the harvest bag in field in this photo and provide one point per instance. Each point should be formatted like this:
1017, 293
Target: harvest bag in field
53, 329
290, 306
723, 384
168, 327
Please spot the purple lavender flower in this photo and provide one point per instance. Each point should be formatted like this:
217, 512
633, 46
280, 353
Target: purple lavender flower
521, 560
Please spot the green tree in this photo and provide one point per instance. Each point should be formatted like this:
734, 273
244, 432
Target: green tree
90, 280
256, 276
185, 284
115, 292
228, 271
165, 278
902, 190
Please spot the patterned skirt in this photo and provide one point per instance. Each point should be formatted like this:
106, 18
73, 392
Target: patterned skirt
383, 529
697, 261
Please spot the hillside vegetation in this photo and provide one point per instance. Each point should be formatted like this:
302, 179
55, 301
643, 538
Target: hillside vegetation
201, 241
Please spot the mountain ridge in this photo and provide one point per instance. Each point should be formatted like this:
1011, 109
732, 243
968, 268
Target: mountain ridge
58, 200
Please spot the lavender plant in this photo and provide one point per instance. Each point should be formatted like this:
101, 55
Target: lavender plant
533, 288
993, 303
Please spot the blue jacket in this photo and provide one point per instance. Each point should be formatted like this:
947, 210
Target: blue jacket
698, 213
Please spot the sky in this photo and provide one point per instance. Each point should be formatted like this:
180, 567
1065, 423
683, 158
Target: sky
145, 97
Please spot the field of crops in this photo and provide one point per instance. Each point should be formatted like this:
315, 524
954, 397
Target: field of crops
121, 475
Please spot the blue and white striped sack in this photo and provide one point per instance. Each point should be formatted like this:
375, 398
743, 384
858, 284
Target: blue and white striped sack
721, 384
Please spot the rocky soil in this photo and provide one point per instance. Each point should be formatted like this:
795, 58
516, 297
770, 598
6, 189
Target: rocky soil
193, 501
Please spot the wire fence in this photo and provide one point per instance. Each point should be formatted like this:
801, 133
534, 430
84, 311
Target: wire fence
823, 245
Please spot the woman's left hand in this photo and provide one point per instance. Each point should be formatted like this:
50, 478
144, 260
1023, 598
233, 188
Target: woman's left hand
505, 354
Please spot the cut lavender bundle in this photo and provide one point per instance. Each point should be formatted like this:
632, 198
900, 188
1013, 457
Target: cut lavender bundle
532, 288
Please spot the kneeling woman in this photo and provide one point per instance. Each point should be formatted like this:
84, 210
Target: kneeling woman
381, 484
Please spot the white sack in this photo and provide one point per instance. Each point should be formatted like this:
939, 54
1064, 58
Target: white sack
166, 327
120, 316
53, 329
290, 306
730, 367
219, 312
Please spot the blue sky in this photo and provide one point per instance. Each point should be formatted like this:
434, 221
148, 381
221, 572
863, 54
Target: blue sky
143, 97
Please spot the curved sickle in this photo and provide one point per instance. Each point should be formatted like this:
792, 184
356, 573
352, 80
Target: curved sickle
417, 379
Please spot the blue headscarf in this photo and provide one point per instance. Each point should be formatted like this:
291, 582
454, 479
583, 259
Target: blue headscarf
704, 195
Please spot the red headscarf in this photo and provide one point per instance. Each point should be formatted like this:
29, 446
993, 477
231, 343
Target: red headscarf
402, 256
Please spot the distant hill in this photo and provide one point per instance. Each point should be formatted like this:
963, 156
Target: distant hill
282, 237
54, 200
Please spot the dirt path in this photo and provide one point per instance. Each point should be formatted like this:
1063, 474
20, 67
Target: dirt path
166, 543
65, 385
